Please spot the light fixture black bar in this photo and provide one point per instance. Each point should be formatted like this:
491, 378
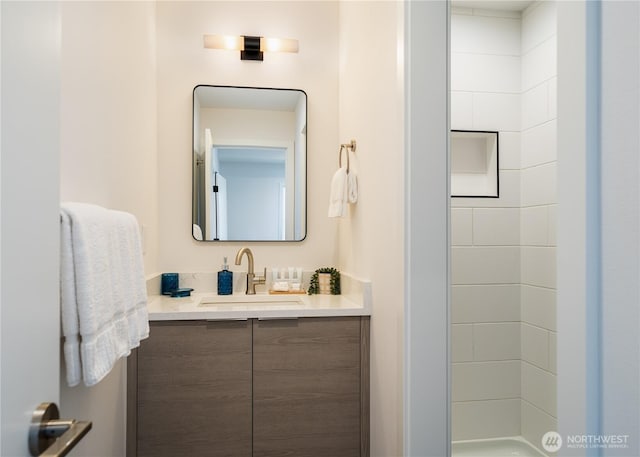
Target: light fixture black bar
251, 49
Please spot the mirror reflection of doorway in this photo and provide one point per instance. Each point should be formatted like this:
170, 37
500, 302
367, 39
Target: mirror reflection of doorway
255, 180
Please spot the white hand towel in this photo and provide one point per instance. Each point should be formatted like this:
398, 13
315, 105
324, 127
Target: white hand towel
338, 197
102, 290
352, 186
197, 232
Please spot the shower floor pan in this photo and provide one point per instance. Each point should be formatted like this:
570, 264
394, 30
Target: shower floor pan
496, 447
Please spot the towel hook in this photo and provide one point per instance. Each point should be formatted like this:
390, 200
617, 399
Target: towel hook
347, 146
351, 145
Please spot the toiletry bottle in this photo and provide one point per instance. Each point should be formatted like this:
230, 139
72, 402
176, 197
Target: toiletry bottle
225, 280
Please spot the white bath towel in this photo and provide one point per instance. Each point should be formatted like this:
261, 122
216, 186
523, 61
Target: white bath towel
102, 290
352, 186
338, 196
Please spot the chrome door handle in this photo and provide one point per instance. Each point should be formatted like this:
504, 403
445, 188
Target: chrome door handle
49, 436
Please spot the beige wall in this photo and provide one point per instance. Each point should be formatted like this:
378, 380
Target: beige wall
183, 63
108, 157
108, 126
372, 235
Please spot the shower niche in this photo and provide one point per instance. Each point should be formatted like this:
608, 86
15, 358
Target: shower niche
474, 164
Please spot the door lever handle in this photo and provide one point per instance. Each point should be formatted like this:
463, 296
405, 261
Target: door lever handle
49, 436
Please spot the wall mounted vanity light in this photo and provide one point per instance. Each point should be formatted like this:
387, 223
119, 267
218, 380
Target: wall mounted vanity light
250, 47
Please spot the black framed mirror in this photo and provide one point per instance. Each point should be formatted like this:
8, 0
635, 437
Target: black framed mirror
249, 164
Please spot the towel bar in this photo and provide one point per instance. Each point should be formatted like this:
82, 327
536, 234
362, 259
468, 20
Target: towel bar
347, 146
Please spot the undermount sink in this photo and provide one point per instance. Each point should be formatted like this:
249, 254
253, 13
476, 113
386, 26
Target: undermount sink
248, 300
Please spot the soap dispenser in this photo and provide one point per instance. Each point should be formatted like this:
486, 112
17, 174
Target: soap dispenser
225, 280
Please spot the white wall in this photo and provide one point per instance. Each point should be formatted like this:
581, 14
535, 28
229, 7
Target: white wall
184, 63
108, 157
371, 236
620, 200
485, 232
426, 430
538, 221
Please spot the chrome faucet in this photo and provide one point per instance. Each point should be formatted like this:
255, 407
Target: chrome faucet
252, 280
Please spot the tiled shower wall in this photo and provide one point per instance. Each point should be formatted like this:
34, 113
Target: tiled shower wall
503, 250
537, 224
485, 95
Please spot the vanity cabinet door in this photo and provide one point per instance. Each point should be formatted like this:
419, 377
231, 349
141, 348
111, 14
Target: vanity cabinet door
194, 390
307, 387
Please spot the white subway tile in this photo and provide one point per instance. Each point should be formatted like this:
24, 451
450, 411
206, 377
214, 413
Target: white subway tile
496, 341
534, 226
462, 72
485, 35
539, 64
535, 423
538, 24
485, 303
493, 111
535, 346
485, 419
552, 209
485, 265
461, 226
553, 352
485, 380
496, 226
539, 307
462, 343
485, 73
539, 144
509, 194
539, 185
539, 388
461, 110
510, 150
538, 266
499, 74
553, 98
535, 106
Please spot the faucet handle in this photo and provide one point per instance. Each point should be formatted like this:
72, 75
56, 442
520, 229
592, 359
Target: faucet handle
261, 280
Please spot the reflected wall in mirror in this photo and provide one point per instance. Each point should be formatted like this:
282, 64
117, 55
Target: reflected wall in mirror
249, 164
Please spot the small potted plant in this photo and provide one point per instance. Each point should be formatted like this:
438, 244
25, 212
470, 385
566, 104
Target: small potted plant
325, 280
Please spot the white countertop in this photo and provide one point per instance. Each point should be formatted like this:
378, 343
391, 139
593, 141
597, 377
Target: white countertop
199, 306
207, 305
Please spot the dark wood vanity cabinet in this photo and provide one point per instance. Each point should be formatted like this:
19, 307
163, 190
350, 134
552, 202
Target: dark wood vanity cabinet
306, 387
193, 391
262, 388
